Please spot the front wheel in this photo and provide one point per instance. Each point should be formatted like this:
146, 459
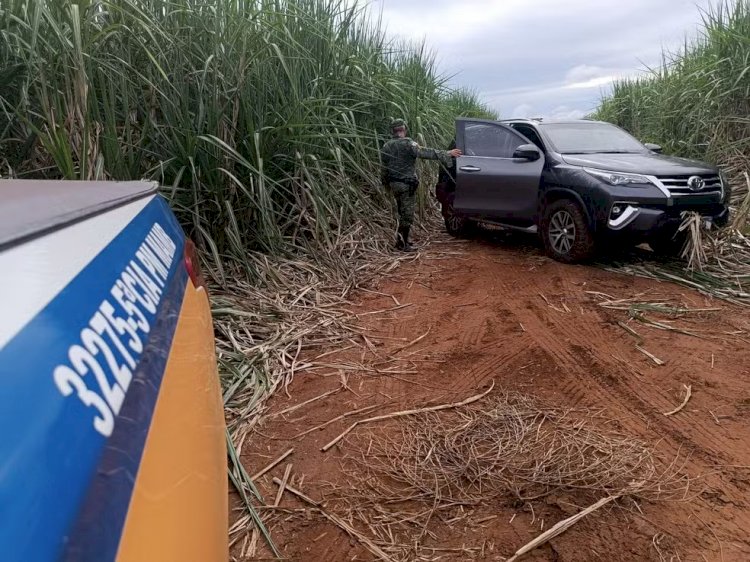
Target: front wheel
565, 232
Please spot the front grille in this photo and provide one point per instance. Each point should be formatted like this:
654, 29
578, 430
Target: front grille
679, 185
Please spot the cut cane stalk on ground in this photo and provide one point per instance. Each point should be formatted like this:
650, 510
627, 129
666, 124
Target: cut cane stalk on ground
402, 413
688, 394
560, 528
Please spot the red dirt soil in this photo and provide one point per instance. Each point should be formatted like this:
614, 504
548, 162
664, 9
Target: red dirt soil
498, 310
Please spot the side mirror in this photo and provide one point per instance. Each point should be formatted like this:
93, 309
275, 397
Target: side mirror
653, 147
527, 152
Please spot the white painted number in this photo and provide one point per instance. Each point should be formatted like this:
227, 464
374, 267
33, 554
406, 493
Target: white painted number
67, 380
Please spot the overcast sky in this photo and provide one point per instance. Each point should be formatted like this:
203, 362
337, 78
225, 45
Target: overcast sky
546, 58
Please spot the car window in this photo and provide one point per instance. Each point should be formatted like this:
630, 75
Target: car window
483, 139
590, 137
529, 133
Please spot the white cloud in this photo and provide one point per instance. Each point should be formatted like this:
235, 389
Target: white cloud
591, 83
584, 72
565, 112
524, 110
585, 76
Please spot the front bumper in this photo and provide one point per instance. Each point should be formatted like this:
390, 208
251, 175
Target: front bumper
646, 221
644, 212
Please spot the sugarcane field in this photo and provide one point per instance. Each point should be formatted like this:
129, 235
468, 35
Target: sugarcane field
331, 281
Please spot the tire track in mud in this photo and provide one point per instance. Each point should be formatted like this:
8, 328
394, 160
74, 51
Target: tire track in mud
585, 360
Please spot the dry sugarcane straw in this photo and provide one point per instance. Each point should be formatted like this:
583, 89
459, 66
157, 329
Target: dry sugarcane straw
507, 446
630, 331
651, 356
407, 413
306, 402
413, 342
725, 273
694, 250
272, 464
342, 416
367, 543
559, 528
287, 472
511, 445
393, 309
688, 393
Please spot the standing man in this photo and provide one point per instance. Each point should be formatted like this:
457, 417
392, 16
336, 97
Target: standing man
399, 171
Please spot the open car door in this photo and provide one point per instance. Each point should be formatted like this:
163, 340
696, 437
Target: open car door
499, 173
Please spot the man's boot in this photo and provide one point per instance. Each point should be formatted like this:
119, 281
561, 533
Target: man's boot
407, 245
402, 239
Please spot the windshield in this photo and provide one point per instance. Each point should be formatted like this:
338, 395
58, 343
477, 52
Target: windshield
588, 138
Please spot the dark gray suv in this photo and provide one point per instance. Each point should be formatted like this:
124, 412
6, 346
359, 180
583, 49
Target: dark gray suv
580, 184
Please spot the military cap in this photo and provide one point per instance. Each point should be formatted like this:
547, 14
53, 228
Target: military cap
398, 124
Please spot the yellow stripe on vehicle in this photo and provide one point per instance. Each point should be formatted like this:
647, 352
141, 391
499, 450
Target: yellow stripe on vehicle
178, 511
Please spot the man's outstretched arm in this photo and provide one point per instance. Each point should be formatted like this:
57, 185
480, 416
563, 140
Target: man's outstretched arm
435, 154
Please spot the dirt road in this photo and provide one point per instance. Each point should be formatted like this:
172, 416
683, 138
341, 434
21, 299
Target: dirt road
498, 310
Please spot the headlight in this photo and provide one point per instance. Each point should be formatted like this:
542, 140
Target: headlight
618, 178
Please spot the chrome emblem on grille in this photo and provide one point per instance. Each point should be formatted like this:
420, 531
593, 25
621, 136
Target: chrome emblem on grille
696, 183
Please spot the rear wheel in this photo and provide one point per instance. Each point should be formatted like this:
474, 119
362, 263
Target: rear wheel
566, 233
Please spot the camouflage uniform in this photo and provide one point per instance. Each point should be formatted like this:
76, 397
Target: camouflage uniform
399, 172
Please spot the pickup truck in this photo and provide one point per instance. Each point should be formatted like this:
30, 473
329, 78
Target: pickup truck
582, 185
113, 442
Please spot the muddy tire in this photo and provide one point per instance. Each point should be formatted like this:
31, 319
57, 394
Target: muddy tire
565, 232
455, 224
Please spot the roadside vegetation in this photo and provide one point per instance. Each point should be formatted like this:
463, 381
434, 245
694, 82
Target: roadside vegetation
261, 119
697, 105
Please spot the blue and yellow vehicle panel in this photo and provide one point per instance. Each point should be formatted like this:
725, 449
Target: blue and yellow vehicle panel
112, 444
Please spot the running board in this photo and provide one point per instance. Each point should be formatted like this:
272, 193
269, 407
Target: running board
502, 226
